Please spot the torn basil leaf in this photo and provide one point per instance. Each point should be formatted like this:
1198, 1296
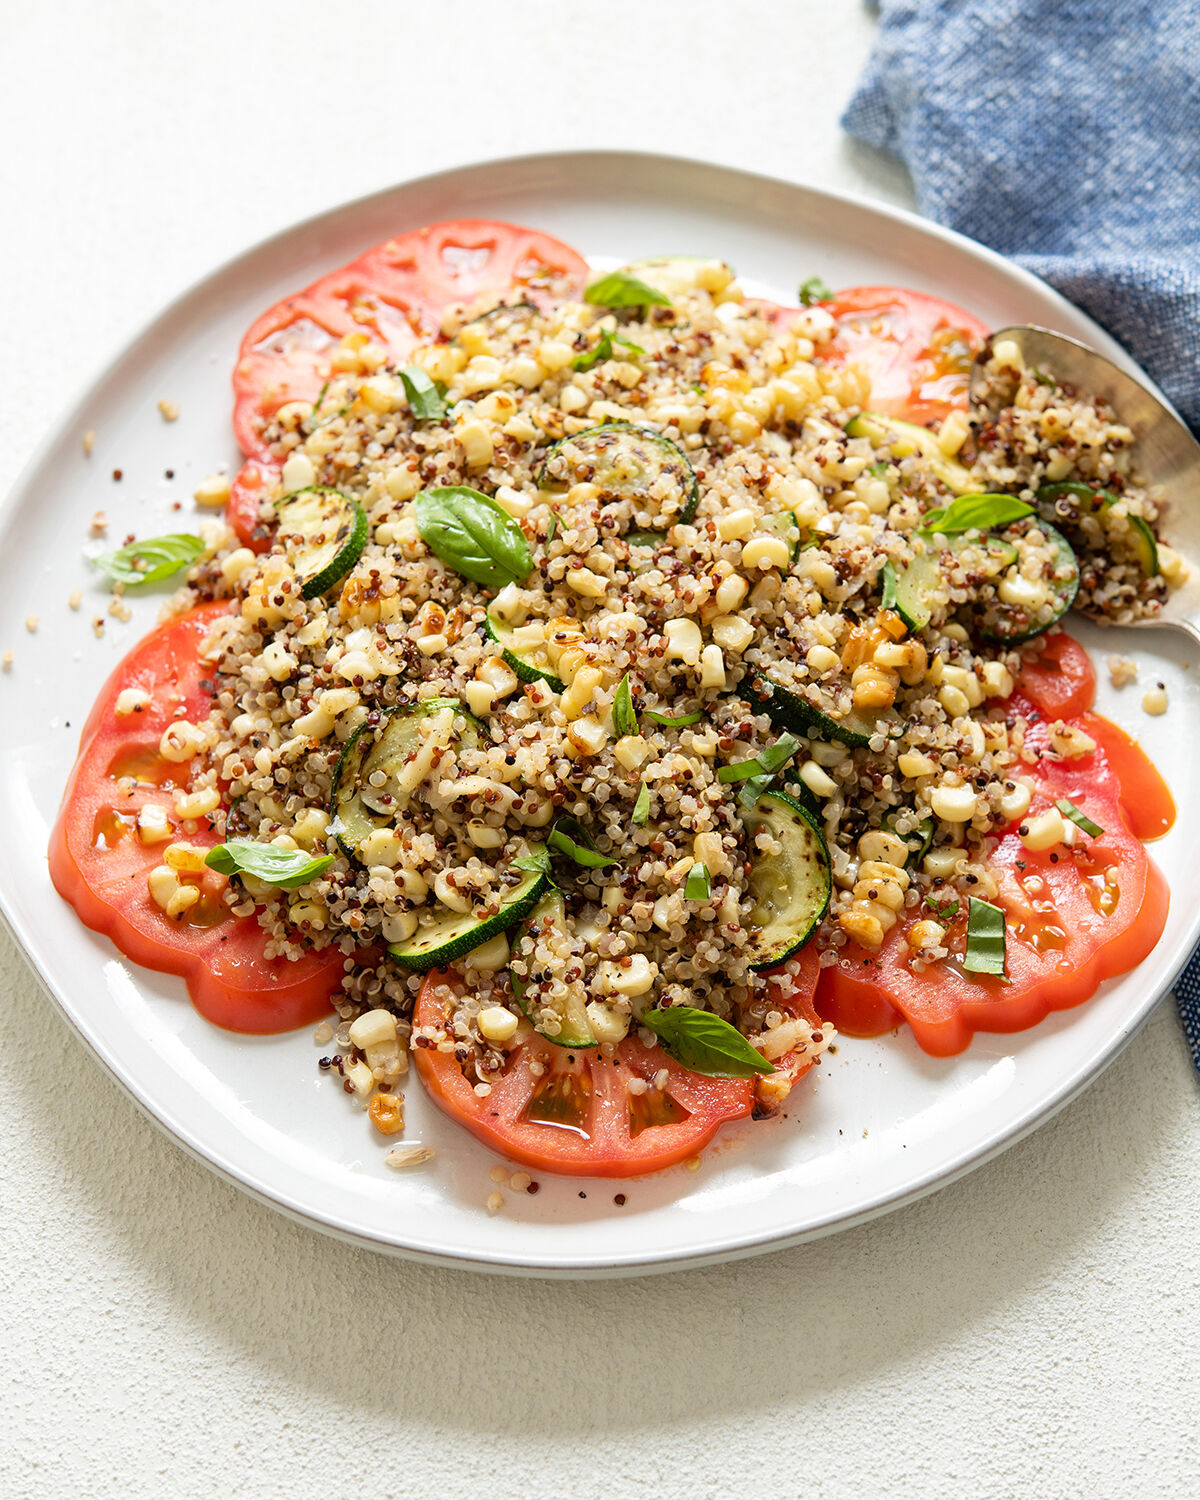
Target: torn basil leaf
986, 934
286, 868
704, 1043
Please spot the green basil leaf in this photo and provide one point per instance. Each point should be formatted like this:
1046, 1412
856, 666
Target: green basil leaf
777, 754
620, 289
641, 808
603, 350
1078, 816
944, 913
151, 561
698, 886
555, 522
985, 938
473, 535
570, 837
879, 468
738, 770
623, 716
668, 722
424, 399
286, 868
538, 860
704, 1043
756, 775
753, 787
814, 290
889, 586
975, 513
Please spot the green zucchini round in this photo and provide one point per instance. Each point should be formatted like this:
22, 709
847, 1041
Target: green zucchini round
1012, 624
624, 461
450, 935
790, 889
356, 808
788, 708
528, 666
574, 1028
323, 533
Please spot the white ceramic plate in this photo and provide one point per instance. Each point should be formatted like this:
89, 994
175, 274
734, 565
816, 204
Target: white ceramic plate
877, 1125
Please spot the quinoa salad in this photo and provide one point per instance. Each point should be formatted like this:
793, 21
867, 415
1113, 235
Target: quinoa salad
617, 663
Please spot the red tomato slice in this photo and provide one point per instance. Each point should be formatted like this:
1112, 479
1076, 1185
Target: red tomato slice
1076, 916
255, 479
1061, 680
98, 863
395, 293
575, 1112
917, 349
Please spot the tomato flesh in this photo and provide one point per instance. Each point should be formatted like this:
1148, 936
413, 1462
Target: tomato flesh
595, 1112
916, 349
395, 293
1075, 915
1060, 680
99, 863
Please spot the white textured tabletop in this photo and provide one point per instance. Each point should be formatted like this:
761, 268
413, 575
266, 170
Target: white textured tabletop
1031, 1330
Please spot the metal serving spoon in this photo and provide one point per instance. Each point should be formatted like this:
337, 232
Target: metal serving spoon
1168, 456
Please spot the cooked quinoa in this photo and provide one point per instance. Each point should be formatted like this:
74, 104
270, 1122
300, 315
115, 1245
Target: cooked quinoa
686, 621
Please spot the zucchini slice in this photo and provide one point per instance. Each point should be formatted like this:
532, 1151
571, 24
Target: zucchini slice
1024, 608
783, 524
530, 665
359, 804
445, 936
906, 438
1067, 503
625, 462
908, 588
790, 889
1143, 545
323, 533
790, 709
573, 1030
911, 587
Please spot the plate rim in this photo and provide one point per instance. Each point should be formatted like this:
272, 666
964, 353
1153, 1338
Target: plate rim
128, 346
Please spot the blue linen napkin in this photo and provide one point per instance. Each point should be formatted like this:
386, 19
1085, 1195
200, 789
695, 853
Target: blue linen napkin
1066, 135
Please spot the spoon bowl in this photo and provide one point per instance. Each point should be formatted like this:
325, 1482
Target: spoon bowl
1168, 456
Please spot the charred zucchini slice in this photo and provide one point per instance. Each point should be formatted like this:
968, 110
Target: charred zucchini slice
791, 887
906, 438
625, 462
323, 533
369, 784
444, 936
1025, 607
570, 1027
790, 709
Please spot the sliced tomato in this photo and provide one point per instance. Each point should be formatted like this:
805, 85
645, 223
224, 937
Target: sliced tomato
395, 293
255, 480
917, 350
1075, 915
99, 863
598, 1113
576, 1112
1060, 680
793, 989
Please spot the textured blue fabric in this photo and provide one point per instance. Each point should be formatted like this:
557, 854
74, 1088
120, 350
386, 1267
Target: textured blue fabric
1066, 135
